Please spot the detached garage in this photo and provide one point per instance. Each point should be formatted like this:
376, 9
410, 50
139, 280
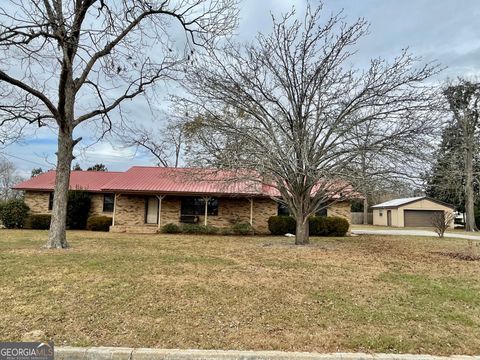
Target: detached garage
409, 212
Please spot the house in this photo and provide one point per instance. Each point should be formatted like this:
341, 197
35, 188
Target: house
142, 199
409, 212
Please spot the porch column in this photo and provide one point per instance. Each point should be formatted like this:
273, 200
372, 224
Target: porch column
115, 207
206, 199
160, 198
251, 211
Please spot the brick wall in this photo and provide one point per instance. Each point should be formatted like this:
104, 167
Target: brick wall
340, 209
130, 212
37, 201
96, 206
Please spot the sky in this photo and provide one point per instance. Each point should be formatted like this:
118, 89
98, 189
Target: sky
446, 31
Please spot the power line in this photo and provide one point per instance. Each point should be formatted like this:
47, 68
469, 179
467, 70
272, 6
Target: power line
19, 158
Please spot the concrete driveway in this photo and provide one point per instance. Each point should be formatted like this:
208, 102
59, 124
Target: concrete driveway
413, 233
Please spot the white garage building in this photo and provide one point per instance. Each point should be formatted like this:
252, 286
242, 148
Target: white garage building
409, 212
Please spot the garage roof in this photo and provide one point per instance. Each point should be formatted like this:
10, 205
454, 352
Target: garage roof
395, 203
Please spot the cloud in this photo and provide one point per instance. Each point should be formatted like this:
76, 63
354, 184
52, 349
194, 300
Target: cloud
441, 30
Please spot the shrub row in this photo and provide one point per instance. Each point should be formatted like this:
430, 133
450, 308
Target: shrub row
94, 223
318, 225
237, 229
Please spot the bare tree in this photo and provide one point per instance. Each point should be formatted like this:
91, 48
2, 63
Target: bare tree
287, 104
441, 221
8, 178
165, 144
67, 63
389, 155
464, 100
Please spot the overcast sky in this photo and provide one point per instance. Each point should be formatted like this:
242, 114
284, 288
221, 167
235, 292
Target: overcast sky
444, 30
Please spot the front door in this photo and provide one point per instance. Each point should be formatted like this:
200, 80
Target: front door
389, 217
151, 216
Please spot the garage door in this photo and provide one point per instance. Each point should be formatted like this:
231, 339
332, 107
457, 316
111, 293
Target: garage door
419, 218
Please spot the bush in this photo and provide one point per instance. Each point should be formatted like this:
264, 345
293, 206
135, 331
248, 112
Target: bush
242, 229
171, 228
78, 208
318, 225
337, 226
14, 213
280, 225
39, 221
99, 223
198, 229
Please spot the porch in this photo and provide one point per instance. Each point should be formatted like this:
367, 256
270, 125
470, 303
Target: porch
140, 213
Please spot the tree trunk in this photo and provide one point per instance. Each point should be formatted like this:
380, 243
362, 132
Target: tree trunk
57, 238
302, 231
365, 211
469, 196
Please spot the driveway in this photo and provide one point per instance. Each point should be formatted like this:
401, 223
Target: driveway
413, 233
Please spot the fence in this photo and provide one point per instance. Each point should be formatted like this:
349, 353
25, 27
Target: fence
357, 218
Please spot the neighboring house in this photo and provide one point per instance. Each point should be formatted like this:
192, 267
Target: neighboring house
409, 212
143, 199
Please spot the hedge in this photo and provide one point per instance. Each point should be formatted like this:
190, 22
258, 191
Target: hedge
198, 229
242, 229
99, 223
318, 225
280, 225
14, 214
171, 228
39, 221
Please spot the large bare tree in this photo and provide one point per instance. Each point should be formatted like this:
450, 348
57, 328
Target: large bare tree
287, 105
464, 101
67, 63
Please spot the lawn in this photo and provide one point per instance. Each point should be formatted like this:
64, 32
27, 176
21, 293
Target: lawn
381, 294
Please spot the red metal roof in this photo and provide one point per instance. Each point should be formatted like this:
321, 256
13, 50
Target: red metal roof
185, 180
160, 180
85, 180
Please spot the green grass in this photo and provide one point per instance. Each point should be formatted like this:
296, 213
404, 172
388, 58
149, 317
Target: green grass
366, 293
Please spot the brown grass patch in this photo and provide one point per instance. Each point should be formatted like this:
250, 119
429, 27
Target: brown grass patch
366, 293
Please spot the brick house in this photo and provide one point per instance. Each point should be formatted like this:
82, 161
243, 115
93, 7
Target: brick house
142, 199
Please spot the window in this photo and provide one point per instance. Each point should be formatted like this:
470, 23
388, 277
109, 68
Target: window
196, 206
321, 212
108, 202
283, 210
50, 201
